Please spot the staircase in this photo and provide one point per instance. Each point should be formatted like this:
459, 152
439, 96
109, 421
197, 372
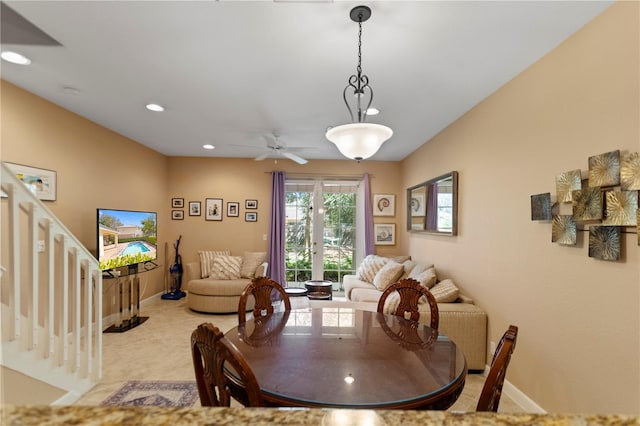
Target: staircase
50, 299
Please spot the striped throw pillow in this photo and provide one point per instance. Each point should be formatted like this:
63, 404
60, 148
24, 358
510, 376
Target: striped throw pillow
226, 268
206, 260
370, 266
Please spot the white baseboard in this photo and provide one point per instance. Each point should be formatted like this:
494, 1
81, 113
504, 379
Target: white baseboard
527, 404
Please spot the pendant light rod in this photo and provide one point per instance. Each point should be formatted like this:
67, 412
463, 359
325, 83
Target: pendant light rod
359, 140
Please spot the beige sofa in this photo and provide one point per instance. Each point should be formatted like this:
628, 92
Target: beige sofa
214, 295
461, 320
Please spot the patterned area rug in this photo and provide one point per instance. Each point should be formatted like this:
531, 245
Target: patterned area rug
155, 393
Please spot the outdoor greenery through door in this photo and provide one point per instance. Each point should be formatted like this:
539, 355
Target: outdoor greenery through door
320, 231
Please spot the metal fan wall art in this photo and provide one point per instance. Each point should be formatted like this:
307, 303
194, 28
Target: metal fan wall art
604, 242
604, 169
566, 183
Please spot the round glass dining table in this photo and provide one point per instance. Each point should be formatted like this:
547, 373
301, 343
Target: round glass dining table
342, 357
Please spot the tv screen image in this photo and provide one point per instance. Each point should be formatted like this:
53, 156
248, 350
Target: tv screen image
126, 237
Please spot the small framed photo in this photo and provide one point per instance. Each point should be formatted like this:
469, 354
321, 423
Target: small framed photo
251, 217
177, 203
384, 205
213, 209
194, 208
177, 214
385, 234
41, 182
250, 204
233, 209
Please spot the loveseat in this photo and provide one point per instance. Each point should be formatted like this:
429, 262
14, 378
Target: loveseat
460, 319
215, 283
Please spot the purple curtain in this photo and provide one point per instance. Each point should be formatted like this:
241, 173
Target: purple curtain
432, 206
276, 230
369, 244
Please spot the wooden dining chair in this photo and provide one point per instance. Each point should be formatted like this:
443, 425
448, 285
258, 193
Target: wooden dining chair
492, 389
261, 289
410, 292
211, 351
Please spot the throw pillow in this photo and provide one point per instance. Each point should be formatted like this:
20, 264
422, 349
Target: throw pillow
369, 267
250, 262
427, 278
445, 291
418, 269
226, 268
387, 275
206, 259
408, 267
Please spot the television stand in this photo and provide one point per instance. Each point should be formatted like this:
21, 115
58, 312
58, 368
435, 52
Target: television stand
128, 288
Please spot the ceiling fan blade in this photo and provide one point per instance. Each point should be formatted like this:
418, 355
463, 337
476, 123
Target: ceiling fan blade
295, 158
261, 157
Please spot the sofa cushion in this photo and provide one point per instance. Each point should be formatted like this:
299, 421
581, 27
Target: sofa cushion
445, 291
222, 288
387, 275
370, 266
226, 267
427, 277
250, 262
206, 260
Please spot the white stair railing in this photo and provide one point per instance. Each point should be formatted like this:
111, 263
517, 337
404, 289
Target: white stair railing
51, 295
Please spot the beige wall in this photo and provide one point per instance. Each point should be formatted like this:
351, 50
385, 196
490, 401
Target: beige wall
232, 179
578, 346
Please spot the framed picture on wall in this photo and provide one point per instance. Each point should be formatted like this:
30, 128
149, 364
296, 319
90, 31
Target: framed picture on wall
385, 234
233, 209
384, 205
177, 214
177, 203
213, 209
41, 182
194, 208
250, 204
251, 217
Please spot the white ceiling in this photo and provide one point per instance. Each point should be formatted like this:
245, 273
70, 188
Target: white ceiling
232, 72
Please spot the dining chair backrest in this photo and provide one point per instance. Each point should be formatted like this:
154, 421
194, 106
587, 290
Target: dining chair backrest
492, 389
261, 289
211, 351
410, 292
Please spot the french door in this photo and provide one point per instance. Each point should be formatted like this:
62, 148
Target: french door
320, 230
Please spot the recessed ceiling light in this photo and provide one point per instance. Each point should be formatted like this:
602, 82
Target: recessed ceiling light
155, 107
15, 58
208, 146
373, 111
70, 90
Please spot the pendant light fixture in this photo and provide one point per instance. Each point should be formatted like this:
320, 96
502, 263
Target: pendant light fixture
359, 140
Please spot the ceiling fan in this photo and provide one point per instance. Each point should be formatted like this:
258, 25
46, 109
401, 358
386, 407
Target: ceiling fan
275, 148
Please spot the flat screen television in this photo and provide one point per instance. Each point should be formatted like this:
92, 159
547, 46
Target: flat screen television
125, 237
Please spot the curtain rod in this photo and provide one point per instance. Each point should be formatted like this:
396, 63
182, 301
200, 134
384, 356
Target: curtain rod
326, 175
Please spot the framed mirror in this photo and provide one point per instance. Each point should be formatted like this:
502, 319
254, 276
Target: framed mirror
432, 206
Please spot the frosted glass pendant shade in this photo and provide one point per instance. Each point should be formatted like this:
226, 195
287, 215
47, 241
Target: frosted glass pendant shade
359, 141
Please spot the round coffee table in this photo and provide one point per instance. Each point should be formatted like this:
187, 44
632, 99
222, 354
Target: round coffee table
295, 291
319, 289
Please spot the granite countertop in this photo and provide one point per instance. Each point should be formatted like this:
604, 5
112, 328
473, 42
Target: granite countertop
91, 415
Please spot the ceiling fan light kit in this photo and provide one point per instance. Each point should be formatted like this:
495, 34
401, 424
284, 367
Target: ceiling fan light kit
359, 140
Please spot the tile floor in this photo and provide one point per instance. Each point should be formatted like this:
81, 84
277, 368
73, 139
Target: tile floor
159, 349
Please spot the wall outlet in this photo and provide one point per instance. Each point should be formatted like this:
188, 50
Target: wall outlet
40, 247
264, 237
492, 347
